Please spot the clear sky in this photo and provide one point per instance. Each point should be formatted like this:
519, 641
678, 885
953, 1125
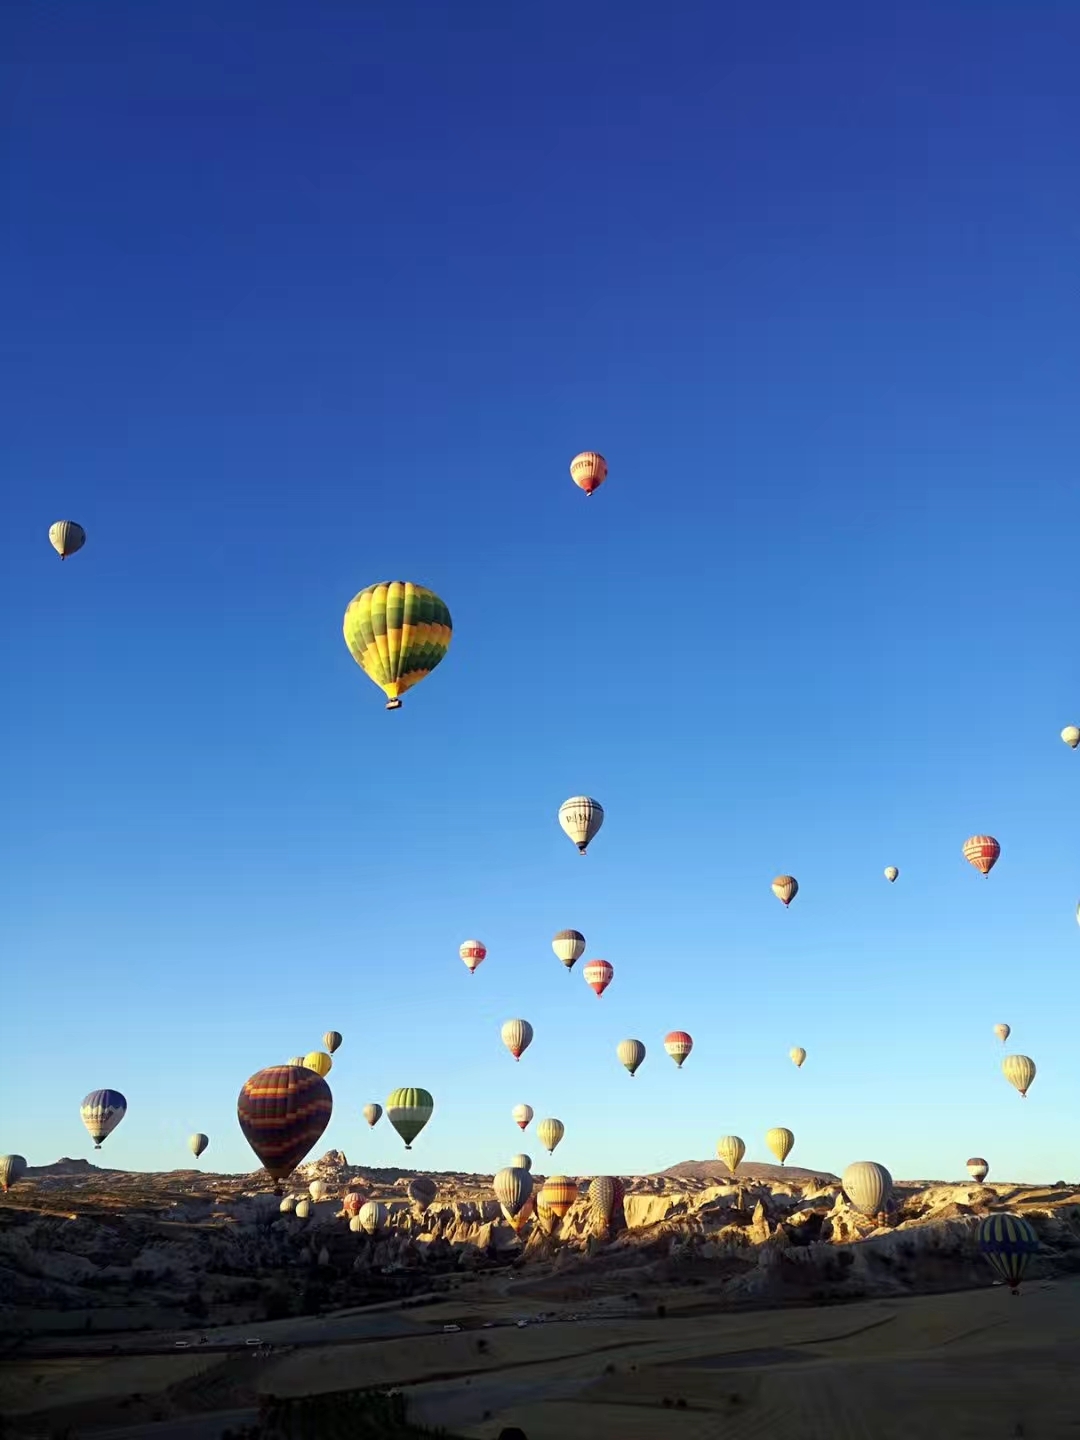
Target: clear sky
299, 297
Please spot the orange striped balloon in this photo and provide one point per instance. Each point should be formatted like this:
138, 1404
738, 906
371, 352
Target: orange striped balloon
557, 1194
588, 471
598, 975
982, 851
678, 1045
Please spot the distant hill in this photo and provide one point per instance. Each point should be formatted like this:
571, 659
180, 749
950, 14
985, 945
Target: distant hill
716, 1172
66, 1166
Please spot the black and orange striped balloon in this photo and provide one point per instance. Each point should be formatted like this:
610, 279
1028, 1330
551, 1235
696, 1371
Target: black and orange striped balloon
282, 1111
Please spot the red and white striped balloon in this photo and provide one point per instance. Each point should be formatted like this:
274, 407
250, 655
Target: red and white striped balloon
473, 953
598, 975
982, 851
678, 1045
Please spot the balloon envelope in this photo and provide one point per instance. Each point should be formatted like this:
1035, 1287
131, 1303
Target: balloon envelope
588, 470
517, 1036
1019, 1071
1071, 736
731, 1149
891, 873
785, 888
397, 632
606, 1195
678, 1044
317, 1189
409, 1110
372, 1114
1008, 1242
332, 1040
512, 1187
631, 1053
581, 818
102, 1111
978, 1168
780, 1142
320, 1062
521, 1115
521, 1162
65, 536
569, 946
557, 1194
549, 1133
473, 953
598, 975
982, 851
197, 1144
1002, 1032
867, 1186
422, 1191
12, 1169
798, 1055
373, 1216
282, 1111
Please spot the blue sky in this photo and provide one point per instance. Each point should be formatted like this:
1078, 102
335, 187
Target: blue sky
299, 298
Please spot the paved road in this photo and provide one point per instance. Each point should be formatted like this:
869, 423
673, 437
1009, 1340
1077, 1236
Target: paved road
191, 1427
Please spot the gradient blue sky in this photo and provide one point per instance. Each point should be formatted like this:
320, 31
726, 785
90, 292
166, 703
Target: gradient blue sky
303, 296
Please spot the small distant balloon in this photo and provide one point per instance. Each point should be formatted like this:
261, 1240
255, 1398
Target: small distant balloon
302, 1210
785, 888
598, 975
797, 1055
288, 1204
422, 1192
588, 471
317, 1189
1071, 736
1002, 1032
372, 1113
631, 1053
678, 1044
867, 1186
731, 1149
101, 1112
473, 953
332, 1040
517, 1036
65, 536
982, 851
780, 1142
569, 946
320, 1062
581, 818
409, 1109
296, 1060
197, 1144
512, 1187
353, 1202
1008, 1242
373, 1217
978, 1168
891, 873
521, 1162
521, 1115
549, 1133
1019, 1071
12, 1169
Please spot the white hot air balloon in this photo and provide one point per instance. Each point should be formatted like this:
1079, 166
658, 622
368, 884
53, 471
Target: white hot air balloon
549, 1133
581, 818
521, 1115
373, 1216
317, 1189
867, 1186
517, 1036
1071, 736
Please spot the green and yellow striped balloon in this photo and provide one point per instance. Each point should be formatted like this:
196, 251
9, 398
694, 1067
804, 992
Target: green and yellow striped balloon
408, 1110
397, 632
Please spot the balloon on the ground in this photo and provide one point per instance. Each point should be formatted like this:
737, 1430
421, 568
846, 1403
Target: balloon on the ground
283, 1110
373, 1216
517, 1036
678, 1044
982, 851
891, 873
1002, 1032
12, 1169
512, 1187
372, 1113
397, 632
332, 1040
317, 1189
521, 1162
785, 888
197, 1144
102, 1111
473, 953
780, 1142
1071, 736
1019, 1071
549, 1133
569, 946
731, 1149
320, 1062
631, 1053
867, 1186
978, 1168
409, 1110
1008, 1242
588, 471
422, 1192
798, 1055
581, 818
353, 1202
598, 975
521, 1115
303, 1209
288, 1204
557, 1194
65, 536
354, 1223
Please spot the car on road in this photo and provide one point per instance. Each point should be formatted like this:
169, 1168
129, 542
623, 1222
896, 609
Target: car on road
449, 1329
182, 1344
522, 1324
253, 1341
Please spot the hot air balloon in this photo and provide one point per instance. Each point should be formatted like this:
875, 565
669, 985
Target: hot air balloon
282, 1111
588, 471
66, 537
303, 1209
288, 1205
982, 851
518, 1222
296, 1060
1002, 1032
473, 953
373, 1216
101, 1112
1071, 736
867, 1186
1019, 1071
197, 1144
12, 1169
397, 632
512, 1187
891, 873
631, 1053
581, 818
678, 1045
408, 1111
606, 1195
1008, 1242
522, 1114
978, 1168
557, 1194
731, 1149
517, 1037
320, 1062
569, 946
521, 1162
785, 888
354, 1223
598, 975
422, 1192
332, 1040
353, 1203
780, 1142
798, 1055
549, 1133
372, 1114
317, 1189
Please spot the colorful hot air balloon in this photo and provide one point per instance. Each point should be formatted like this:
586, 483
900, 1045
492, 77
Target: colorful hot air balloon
1019, 1071
557, 1194
588, 471
1071, 736
867, 1186
606, 1195
317, 1189
978, 1168
891, 873
320, 1062
581, 818
780, 1142
197, 1144
521, 1162
372, 1113
798, 1055
12, 1169
397, 632
101, 1112
66, 537
373, 1216
522, 1114
631, 1053
785, 888
678, 1045
512, 1187
518, 1222
332, 1040
982, 851
1008, 1242
598, 975
353, 1203
731, 1149
473, 953
549, 1133
422, 1192
517, 1037
1002, 1032
408, 1111
282, 1111
569, 946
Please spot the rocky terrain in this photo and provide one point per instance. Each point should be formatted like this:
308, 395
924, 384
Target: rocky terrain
84, 1249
